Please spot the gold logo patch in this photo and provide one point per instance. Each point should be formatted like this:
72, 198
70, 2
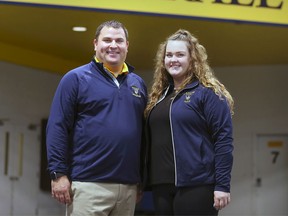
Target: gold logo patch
135, 91
188, 96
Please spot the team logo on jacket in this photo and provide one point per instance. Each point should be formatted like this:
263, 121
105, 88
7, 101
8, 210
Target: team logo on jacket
135, 91
188, 96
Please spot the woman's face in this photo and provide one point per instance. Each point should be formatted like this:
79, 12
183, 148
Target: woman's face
177, 59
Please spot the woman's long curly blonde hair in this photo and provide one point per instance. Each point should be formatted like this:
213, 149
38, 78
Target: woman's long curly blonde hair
198, 68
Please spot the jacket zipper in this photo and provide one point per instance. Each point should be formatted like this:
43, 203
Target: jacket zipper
173, 146
172, 134
171, 128
114, 79
172, 137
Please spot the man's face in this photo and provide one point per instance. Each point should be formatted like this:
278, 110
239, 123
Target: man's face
111, 47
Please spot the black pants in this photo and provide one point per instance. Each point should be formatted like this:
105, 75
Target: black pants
171, 200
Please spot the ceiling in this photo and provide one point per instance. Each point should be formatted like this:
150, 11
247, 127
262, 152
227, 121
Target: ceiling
42, 38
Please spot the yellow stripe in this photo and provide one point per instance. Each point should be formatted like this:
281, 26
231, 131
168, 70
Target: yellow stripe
275, 144
264, 11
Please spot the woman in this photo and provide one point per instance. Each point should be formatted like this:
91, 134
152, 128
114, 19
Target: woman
189, 131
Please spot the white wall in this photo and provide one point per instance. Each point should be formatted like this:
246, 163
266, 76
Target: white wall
25, 93
261, 105
25, 97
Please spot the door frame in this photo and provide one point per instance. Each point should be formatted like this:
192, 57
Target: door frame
255, 163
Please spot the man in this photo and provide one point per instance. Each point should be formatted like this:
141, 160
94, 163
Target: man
94, 130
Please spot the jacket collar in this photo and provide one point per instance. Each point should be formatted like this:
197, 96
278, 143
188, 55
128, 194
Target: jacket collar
193, 84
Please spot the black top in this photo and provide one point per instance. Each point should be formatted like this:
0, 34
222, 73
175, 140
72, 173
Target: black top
162, 159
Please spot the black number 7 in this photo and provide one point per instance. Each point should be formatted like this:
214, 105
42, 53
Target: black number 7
275, 156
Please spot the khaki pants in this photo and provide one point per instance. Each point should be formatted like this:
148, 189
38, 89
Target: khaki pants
102, 199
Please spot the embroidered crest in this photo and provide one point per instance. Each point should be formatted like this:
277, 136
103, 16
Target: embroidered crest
188, 96
135, 91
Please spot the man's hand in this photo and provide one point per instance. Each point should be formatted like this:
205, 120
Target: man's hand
221, 199
60, 189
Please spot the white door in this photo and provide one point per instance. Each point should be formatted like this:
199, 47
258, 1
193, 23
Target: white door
5, 183
19, 181
271, 175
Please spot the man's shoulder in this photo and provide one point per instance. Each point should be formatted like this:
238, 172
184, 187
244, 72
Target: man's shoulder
80, 70
133, 75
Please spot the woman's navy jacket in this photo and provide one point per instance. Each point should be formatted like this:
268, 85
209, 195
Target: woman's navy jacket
201, 127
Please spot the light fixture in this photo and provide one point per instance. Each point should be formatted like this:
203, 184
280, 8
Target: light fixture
79, 28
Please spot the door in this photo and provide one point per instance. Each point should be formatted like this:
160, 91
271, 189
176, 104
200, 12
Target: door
19, 182
271, 175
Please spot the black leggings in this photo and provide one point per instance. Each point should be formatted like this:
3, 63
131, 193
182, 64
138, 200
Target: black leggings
171, 200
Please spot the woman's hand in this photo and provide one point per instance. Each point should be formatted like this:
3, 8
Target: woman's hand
221, 199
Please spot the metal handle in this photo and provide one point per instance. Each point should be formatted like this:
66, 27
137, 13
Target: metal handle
6, 157
258, 182
20, 159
